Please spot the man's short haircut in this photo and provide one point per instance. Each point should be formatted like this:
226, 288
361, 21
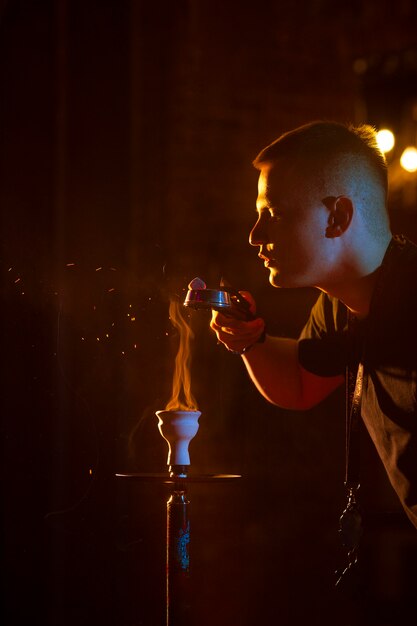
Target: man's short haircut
325, 142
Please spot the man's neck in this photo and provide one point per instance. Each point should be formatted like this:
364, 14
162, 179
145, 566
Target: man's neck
356, 290
357, 294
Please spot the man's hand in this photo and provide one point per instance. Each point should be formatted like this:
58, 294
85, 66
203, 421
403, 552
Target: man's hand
238, 335
273, 365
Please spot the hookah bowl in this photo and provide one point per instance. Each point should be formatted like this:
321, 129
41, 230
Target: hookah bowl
178, 428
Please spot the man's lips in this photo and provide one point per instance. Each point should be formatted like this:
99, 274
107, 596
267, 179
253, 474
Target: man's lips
268, 261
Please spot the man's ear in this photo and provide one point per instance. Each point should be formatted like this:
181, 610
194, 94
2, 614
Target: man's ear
340, 215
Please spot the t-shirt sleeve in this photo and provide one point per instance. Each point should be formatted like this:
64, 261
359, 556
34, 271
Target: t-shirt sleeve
322, 345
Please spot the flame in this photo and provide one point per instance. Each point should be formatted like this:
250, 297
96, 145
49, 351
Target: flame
181, 398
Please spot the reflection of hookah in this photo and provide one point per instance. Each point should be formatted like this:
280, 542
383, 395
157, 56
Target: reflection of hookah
178, 427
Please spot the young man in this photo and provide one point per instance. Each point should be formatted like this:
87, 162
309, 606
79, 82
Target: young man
323, 222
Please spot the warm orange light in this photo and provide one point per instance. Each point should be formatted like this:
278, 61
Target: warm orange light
408, 159
385, 139
262, 188
181, 398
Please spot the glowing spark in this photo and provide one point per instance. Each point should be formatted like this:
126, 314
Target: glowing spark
107, 335
10, 269
134, 345
90, 471
113, 269
122, 352
98, 269
17, 280
111, 289
70, 264
133, 319
82, 339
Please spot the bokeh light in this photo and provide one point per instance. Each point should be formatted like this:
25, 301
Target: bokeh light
385, 139
409, 159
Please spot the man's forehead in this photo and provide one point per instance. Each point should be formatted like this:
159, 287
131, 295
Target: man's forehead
274, 178
262, 182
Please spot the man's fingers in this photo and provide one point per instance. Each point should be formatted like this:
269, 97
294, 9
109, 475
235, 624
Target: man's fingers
237, 334
249, 298
224, 320
236, 327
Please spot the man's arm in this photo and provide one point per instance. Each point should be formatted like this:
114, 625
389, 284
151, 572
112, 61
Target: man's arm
275, 370
273, 365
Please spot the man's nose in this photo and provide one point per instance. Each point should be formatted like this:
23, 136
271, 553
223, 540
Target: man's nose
257, 235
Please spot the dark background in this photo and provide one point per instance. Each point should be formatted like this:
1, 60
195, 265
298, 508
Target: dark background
127, 135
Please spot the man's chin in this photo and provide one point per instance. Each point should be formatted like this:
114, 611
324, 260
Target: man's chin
275, 279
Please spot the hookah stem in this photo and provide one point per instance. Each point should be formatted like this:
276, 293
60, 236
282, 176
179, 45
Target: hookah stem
178, 560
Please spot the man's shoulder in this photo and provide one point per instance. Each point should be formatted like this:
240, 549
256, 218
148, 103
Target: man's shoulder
402, 252
331, 311
328, 317
322, 345
394, 304
400, 267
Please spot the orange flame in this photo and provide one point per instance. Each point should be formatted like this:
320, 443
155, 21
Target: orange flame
181, 398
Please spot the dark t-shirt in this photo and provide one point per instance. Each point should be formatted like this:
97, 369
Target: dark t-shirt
387, 343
